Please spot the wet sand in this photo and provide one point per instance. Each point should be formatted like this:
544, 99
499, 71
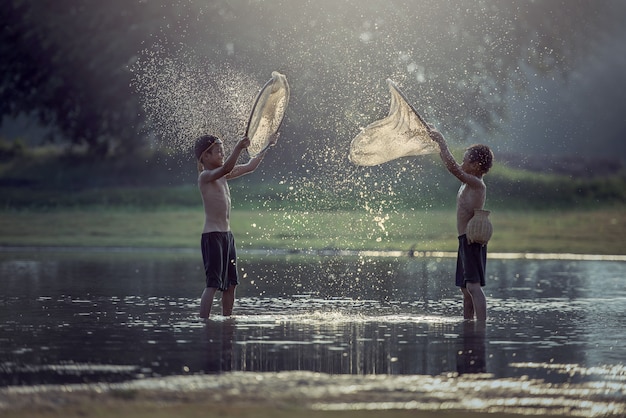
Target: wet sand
307, 394
135, 410
210, 411
155, 404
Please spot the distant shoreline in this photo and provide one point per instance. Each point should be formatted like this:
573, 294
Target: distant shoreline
325, 252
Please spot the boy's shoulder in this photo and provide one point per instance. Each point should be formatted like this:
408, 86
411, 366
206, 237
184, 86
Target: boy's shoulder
472, 180
210, 176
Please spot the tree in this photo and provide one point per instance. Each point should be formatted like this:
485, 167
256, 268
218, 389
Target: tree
64, 63
68, 62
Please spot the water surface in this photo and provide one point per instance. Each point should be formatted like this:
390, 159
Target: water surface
120, 317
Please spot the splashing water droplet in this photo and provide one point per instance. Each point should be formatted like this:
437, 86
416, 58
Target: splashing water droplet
185, 97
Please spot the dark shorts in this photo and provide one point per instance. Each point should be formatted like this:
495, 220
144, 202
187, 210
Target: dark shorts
470, 263
220, 259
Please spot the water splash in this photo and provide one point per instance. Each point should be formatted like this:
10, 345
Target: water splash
185, 96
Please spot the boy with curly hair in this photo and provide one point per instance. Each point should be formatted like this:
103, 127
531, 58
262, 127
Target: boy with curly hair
472, 257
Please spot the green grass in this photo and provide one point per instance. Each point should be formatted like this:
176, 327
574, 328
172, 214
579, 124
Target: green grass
598, 231
64, 200
41, 179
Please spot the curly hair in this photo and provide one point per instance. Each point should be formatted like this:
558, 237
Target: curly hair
482, 154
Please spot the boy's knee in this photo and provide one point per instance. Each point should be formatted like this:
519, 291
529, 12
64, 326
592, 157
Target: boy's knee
473, 287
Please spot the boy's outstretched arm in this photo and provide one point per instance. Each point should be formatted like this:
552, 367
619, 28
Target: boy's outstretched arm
444, 152
250, 166
228, 166
448, 159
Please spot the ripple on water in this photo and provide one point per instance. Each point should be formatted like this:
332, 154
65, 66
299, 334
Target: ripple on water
553, 342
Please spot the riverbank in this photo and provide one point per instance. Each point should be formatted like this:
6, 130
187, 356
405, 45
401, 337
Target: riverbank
306, 395
582, 231
186, 409
210, 411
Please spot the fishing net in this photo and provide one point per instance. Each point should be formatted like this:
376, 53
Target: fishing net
402, 133
267, 112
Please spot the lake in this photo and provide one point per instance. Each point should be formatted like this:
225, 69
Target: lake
554, 340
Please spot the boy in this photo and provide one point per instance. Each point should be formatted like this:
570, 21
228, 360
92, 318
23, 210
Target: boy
472, 258
217, 244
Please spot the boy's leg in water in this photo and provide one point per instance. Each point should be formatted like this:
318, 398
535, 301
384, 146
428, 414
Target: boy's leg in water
228, 300
468, 305
479, 301
206, 301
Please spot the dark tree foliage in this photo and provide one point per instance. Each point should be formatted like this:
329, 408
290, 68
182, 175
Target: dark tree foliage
67, 61
66, 64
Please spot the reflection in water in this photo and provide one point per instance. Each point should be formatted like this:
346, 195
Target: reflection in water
471, 357
344, 343
217, 345
98, 317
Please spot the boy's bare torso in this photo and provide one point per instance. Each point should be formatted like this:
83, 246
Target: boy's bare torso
216, 200
468, 199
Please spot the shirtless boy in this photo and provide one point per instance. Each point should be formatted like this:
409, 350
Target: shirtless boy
217, 244
472, 257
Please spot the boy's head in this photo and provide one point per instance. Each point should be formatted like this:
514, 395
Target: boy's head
482, 155
202, 146
203, 143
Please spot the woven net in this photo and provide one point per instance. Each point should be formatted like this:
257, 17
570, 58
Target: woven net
268, 112
402, 133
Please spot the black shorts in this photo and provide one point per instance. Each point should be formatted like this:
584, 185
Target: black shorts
220, 259
470, 263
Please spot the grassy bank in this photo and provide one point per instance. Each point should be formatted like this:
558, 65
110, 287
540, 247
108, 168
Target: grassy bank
49, 199
599, 231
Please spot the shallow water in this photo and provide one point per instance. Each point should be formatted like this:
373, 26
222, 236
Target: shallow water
555, 326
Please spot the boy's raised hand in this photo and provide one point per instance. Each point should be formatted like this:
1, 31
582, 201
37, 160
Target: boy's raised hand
436, 136
243, 142
273, 139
